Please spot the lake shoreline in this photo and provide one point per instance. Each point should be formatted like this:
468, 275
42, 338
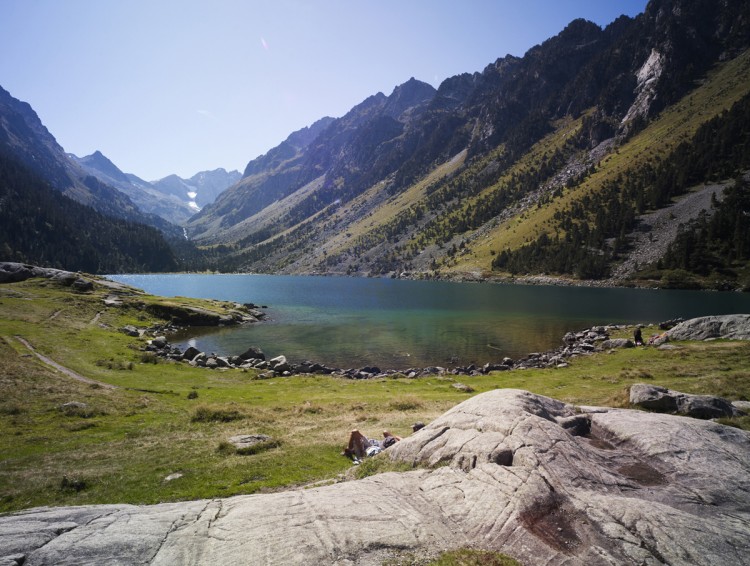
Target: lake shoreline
587, 342
341, 322
467, 277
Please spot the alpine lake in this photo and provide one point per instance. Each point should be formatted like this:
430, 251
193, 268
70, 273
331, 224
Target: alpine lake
397, 324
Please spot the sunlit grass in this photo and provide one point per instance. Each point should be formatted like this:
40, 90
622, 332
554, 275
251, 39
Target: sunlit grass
169, 420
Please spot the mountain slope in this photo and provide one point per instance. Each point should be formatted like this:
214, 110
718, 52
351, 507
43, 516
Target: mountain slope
42, 226
24, 138
172, 198
55, 213
199, 190
143, 194
352, 151
522, 156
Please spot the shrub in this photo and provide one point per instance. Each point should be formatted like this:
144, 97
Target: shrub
309, 409
149, 358
216, 415
229, 449
73, 484
226, 448
11, 409
85, 425
406, 403
471, 557
80, 410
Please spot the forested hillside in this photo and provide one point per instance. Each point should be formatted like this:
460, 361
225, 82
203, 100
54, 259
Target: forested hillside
42, 226
592, 231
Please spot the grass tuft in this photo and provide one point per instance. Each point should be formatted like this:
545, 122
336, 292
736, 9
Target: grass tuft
73, 484
149, 358
459, 557
379, 465
204, 414
259, 447
406, 403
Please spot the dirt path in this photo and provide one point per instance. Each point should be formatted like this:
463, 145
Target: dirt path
62, 369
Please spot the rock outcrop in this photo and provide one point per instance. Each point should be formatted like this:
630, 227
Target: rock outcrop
730, 326
13, 272
541, 480
663, 400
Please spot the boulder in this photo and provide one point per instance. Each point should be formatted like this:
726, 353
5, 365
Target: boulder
541, 480
247, 444
83, 285
247, 440
190, 353
488, 367
130, 330
616, 343
279, 364
653, 398
252, 353
731, 326
222, 362
705, 407
661, 399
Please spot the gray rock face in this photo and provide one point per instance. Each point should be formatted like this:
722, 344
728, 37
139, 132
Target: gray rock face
543, 481
661, 399
731, 326
13, 272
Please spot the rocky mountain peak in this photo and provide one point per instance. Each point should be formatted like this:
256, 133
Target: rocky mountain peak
407, 96
304, 137
101, 163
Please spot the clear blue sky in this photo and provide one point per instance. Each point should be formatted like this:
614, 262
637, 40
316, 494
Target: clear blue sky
180, 86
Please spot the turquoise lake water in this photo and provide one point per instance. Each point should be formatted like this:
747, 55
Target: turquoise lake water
351, 322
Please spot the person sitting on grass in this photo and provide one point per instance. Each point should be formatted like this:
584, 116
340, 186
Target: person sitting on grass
360, 446
638, 336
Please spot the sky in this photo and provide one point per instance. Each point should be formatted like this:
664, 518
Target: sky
180, 86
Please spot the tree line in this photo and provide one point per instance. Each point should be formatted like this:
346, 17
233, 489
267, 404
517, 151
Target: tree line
40, 225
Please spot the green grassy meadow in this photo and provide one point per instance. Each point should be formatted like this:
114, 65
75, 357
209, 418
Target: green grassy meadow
161, 433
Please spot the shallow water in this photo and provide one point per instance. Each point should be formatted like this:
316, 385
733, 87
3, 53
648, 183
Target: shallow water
351, 322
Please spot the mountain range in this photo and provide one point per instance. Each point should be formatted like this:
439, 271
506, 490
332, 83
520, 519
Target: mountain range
172, 198
473, 178
556, 163
85, 213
